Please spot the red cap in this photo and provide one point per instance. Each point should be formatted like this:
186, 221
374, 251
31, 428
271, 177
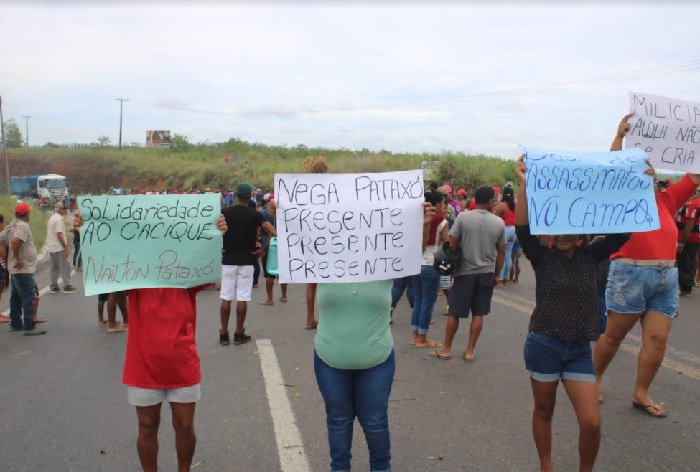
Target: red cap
271, 197
22, 209
461, 192
497, 190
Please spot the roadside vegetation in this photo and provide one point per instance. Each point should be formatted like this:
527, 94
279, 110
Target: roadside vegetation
97, 169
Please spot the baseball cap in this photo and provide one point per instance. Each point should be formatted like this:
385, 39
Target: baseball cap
496, 189
22, 209
447, 187
244, 190
461, 192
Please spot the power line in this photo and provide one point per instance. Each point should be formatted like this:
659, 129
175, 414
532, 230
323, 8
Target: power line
595, 80
26, 129
121, 114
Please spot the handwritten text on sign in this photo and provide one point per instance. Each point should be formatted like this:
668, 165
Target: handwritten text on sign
146, 241
349, 227
668, 130
589, 193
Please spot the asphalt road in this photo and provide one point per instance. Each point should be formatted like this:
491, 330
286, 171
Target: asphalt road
64, 409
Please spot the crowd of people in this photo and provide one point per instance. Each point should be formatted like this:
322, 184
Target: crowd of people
589, 289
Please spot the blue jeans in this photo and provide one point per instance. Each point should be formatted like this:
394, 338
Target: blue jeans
357, 393
400, 285
508, 262
425, 286
22, 295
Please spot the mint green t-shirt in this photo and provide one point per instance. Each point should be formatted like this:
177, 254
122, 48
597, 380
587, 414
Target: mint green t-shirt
353, 328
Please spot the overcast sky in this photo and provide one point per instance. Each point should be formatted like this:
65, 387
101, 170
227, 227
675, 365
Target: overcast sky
401, 76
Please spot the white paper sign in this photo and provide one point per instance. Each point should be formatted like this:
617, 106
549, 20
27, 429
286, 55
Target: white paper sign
668, 130
349, 227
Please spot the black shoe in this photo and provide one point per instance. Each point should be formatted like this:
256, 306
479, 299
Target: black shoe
55, 290
34, 332
685, 293
14, 329
224, 339
240, 338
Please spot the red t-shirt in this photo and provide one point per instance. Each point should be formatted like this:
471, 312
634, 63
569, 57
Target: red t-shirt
160, 349
689, 215
508, 217
660, 244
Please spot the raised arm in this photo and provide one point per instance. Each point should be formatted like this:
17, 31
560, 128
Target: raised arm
622, 130
532, 248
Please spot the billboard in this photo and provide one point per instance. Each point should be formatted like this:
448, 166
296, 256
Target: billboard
157, 138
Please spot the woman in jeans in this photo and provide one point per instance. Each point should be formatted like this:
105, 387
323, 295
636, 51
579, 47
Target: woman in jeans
643, 284
563, 324
506, 211
354, 364
425, 284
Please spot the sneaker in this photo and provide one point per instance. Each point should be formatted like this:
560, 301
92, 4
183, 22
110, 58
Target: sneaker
224, 339
34, 332
685, 293
241, 338
55, 290
14, 329
69, 289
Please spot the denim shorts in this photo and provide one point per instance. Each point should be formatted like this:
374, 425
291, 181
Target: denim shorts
550, 359
637, 288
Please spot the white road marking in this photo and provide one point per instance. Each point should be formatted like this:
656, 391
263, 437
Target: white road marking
289, 444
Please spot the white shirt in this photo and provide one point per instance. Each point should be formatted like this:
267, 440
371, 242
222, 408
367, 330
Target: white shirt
54, 226
430, 251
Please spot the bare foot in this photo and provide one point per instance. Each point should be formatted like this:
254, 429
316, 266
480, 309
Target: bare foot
312, 326
428, 343
469, 357
283, 299
267, 302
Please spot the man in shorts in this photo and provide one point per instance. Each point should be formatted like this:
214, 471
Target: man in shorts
239, 258
481, 236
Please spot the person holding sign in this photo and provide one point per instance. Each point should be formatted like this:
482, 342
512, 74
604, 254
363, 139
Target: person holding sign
563, 324
162, 364
354, 363
643, 284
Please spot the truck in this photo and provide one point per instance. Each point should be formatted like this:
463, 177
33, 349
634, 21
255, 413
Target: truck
51, 186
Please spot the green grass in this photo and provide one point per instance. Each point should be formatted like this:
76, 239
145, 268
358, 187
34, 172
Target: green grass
199, 166
37, 220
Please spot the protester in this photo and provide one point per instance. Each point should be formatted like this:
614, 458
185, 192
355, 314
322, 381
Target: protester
481, 236
57, 245
354, 365
162, 364
426, 283
239, 256
515, 268
270, 213
462, 199
77, 255
114, 300
399, 285
643, 283
506, 211
4, 274
687, 221
563, 324
21, 262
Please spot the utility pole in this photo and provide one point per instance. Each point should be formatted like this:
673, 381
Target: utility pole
26, 129
121, 113
4, 150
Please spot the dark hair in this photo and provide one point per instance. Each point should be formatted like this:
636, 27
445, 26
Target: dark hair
509, 197
484, 194
2, 219
433, 186
433, 197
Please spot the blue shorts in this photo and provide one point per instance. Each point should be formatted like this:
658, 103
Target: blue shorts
549, 359
637, 288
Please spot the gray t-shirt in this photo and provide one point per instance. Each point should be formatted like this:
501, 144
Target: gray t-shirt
27, 252
479, 231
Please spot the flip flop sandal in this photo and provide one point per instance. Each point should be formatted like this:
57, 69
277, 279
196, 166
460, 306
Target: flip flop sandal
656, 413
437, 355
